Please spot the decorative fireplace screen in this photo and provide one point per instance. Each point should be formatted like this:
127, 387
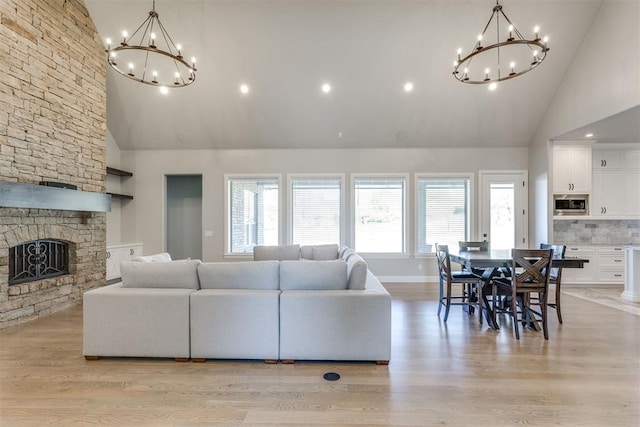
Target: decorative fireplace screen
38, 259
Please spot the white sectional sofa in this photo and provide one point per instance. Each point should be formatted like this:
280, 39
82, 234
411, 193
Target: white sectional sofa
271, 309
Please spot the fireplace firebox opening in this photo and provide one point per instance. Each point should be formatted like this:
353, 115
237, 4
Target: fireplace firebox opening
37, 260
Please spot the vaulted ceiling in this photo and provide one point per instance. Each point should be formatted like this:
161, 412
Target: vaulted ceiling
366, 49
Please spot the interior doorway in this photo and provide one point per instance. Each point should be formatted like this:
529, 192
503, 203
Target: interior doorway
504, 208
184, 216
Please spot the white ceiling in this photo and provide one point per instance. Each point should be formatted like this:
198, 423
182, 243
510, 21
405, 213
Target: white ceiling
367, 49
623, 127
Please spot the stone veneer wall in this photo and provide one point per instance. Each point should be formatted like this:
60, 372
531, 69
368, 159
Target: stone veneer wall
52, 128
596, 232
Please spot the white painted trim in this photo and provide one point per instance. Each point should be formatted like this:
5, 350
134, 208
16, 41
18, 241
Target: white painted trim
343, 207
225, 215
472, 204
405, 208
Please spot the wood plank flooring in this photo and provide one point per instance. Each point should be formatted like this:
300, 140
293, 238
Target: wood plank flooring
458, 373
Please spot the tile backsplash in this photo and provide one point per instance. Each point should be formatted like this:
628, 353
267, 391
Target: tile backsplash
596, 232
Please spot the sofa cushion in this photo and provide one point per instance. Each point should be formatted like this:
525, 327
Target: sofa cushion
239, 275
341, 251
172, 274
163, 257
319, 252
325, 252
278, 253
356, 272
306, 252
347, 253
313, 275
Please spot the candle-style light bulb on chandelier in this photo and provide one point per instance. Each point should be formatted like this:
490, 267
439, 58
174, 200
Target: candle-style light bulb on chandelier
510, 47
151, 50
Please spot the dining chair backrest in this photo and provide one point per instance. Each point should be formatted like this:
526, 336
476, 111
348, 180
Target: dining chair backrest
444, 261
474, 246
531, 267
558, 253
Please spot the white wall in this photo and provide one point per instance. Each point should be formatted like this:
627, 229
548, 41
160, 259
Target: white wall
143, 217
603, 80
114, 218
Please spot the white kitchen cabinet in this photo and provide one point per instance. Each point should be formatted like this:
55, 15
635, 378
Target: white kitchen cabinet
116, 255
632, 159
587, 274
571, 169
632, 191
611, 264
608, 159
608, 197
606, 265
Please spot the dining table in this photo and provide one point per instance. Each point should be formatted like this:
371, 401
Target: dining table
492, 260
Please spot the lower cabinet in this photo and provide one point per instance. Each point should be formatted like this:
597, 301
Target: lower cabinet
611, 264
116, 255
589, 273
605, 266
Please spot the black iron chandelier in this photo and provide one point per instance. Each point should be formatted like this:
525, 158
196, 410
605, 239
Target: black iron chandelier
151, 49
522, 55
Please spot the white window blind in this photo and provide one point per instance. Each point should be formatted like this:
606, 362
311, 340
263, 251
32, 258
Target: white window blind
316, 210
443, 215
379, 214
253, 213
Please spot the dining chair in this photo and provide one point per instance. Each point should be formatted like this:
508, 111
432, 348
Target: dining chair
474, 246
467, 279
555, 276
530, 272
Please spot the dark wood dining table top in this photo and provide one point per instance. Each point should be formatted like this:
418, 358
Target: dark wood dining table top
502, 257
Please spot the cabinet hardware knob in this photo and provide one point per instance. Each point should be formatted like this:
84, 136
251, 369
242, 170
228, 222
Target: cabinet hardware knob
605, 163
618, 275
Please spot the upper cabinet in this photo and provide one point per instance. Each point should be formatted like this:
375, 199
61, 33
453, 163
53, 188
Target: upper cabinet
616, 183
632, 160
608, 159
571, 169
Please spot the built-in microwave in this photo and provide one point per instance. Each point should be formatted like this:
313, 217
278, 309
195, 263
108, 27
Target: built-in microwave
571, 204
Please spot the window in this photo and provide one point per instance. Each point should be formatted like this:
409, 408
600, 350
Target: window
253, 213
379, 214
443, 211
316, 210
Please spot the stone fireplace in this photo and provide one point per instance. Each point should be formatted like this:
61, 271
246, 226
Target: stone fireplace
85, 234
52, 128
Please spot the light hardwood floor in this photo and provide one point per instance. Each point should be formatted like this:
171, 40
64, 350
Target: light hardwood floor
459, 373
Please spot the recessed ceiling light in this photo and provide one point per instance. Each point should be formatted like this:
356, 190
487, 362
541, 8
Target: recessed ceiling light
164, 90
326, 87
244, 89
589, 135
408, 87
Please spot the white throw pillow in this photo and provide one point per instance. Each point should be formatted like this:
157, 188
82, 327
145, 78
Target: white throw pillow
163, 257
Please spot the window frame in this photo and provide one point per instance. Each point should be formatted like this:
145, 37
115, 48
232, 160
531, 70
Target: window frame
471, 213
289, 201
405, 211
228, 178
